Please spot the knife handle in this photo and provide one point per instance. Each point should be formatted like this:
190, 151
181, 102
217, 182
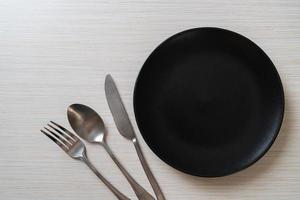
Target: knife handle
151, 178
140, 192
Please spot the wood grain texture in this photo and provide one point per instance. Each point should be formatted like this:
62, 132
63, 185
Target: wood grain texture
57, 52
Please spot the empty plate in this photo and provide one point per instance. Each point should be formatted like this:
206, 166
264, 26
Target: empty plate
209, 102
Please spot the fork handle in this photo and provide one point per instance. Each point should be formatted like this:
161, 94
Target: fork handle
140, 192
114, 190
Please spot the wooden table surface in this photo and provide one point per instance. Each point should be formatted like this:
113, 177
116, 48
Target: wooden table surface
57, 52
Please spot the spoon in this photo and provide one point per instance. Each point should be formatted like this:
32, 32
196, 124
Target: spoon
89, 126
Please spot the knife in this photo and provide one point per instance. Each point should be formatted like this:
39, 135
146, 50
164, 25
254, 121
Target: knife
125, 128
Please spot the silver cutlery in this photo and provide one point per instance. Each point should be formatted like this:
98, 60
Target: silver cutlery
90, 127
75, 148
125, 128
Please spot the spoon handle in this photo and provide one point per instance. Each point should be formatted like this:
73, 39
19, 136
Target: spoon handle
151, 178
140, 192
114, 190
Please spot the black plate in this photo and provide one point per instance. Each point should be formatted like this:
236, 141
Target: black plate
209, 102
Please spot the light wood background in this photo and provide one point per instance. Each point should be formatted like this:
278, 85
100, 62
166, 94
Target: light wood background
57, 52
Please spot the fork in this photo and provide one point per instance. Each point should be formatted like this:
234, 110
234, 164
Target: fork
75, 148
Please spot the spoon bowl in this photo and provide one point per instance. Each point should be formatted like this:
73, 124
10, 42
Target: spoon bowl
86, 123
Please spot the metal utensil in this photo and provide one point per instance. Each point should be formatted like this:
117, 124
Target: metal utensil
90, 127
125, 128
75, 148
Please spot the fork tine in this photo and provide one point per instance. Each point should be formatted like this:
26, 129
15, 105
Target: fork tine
65, 130
61, 145
62, 140
66, 136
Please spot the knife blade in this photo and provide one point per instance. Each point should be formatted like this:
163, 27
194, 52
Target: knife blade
117, 109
